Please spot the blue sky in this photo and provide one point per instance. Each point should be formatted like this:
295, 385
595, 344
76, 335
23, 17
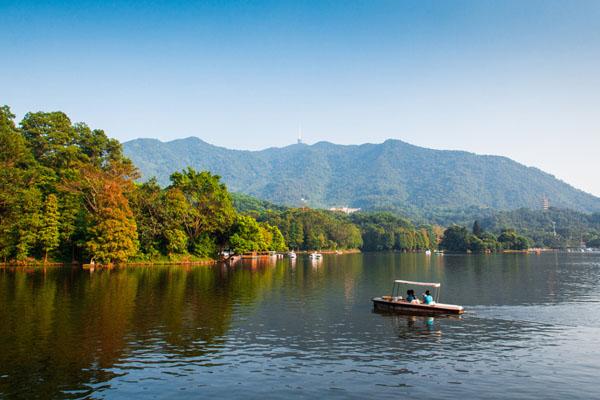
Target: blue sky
519, 79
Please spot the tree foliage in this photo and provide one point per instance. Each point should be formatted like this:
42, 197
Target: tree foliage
456, 239
308, 229
50, 224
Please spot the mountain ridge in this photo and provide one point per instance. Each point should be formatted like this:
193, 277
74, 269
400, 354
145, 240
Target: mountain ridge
389, 175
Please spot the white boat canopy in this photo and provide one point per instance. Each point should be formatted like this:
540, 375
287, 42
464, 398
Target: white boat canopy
435, 285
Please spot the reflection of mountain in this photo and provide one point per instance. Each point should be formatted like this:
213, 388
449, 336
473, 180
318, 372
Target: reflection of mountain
63, 329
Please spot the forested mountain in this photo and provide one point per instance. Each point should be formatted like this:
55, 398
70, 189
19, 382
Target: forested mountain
393, 175
548, 228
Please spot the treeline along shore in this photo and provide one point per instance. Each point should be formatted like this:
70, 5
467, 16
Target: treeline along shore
68, 194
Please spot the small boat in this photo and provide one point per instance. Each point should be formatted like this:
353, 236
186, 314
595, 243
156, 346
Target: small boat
439, 252
428, 252
315, 256
396, 303
291, 254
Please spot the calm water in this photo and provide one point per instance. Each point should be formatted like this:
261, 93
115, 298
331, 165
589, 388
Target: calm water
304, 330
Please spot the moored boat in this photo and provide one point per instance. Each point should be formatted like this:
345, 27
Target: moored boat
396, 303
315, 256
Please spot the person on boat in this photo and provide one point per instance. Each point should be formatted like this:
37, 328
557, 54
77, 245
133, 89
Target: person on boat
427, 298
412, 297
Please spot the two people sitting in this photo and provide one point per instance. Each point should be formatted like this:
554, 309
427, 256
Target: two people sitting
412, 298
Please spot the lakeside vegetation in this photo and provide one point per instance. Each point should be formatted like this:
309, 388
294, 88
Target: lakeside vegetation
67, 193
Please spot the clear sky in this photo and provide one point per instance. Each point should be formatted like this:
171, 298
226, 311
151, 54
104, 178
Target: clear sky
514, 78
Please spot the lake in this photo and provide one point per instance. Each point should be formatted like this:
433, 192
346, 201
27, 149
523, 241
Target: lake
302, 329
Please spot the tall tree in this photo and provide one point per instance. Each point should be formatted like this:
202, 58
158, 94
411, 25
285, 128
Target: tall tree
111, 228
278, 241
51, 137
246, 235
49, 236
28, 222
212, 211
19, 197
477, 229
296, 235
509, 239
455, 239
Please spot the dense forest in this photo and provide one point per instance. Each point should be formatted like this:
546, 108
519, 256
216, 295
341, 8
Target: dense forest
68, 193
306, 229
458, 239
555, 228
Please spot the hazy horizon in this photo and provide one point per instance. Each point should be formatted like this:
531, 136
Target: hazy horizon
515, 79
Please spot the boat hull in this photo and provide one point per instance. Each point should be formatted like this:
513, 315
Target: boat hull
381, 304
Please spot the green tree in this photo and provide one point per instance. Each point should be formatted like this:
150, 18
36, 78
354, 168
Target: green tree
455, 239
49, 236
278, 241
405, 240
112, 236
211, 211
51, 138
422, 239
173, 214
296, 235
477, 229
490, 242
19, 196
28, 222
246, 236
176, 241
475, 244
509, 239
148, 207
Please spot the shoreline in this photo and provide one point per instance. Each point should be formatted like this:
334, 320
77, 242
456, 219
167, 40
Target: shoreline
204, 262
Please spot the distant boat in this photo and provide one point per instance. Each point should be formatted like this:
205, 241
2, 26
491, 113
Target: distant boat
439, 252
315, 256
427, 252
291, 254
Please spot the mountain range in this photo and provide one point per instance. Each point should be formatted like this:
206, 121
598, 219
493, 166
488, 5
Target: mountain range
391, 175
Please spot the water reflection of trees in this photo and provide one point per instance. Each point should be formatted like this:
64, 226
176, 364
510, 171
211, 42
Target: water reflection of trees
63, 329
